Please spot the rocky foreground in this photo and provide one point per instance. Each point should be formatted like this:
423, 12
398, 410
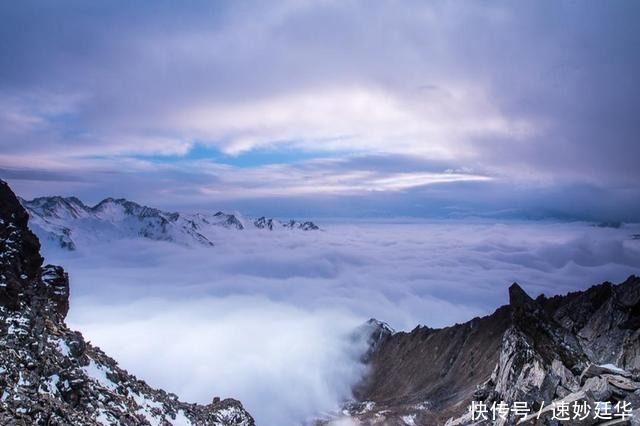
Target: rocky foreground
49, 375
579, 350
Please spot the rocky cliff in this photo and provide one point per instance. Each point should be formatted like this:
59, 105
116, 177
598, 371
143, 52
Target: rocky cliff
583, 347
49, 375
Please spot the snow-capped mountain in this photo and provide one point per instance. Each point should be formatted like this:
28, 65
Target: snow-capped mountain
67, 222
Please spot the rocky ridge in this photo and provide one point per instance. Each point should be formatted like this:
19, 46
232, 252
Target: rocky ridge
49, 374
68, 222
583, 347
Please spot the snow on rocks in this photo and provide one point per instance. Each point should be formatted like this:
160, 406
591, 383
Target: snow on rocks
70, 224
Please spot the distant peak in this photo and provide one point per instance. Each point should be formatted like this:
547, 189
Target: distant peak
127, 204
114, 201
105, 201
54, 199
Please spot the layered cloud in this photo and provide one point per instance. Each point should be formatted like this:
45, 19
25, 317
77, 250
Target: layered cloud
530, 94
266, 317
439, 125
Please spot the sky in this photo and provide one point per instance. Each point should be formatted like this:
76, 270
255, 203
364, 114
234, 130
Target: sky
327, 108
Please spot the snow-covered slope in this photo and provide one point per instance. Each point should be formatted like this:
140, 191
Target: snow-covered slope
68, 222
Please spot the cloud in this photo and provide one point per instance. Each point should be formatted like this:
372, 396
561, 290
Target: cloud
282, 362
265, 317
353, 186
356, 119
207, 180
528, 93
344, 421
333, 177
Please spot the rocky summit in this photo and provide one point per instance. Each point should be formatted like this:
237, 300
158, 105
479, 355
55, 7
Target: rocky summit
49, 374
581, 348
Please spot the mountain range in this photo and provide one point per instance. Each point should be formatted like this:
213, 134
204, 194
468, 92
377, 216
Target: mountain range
69, 223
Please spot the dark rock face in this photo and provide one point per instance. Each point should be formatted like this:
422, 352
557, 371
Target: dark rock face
518, 297
20, 258
56, 281
605, 320
432, 368
49, 375
264, 223
584, 346
378, 332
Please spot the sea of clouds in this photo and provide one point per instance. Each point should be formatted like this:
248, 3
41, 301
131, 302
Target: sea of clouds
268, 317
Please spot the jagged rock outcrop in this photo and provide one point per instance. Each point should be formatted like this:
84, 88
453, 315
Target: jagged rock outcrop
305, 226
582, 347
271, 224
377, 332
229, 220
69, 223
49, 375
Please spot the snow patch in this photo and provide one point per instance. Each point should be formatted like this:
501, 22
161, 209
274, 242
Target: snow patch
50, 386
613, 368
180, 420
63, 348
409, 420
98, 373
104, 418
147, 408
